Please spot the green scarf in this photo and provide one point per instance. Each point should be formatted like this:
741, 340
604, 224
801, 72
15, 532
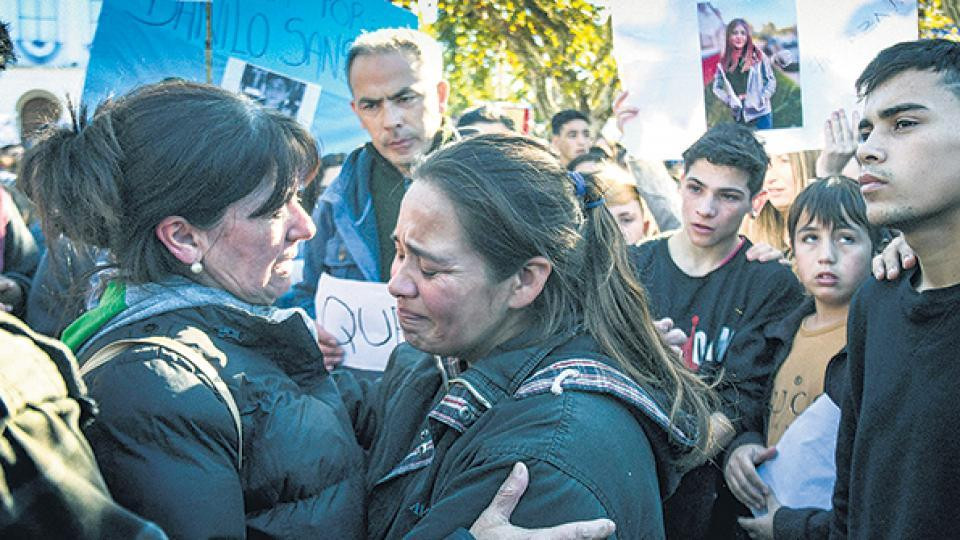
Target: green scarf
113, 301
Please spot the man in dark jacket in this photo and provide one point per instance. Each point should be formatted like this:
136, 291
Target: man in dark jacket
399, 95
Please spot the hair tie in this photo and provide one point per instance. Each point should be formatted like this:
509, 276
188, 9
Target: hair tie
580, 188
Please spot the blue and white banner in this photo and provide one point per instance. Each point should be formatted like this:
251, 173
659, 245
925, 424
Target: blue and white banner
288, 54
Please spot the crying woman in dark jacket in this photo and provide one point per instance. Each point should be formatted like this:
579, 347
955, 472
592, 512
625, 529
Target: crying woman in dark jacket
528, 339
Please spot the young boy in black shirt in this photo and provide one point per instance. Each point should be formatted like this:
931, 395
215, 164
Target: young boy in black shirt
701, 279
899, 431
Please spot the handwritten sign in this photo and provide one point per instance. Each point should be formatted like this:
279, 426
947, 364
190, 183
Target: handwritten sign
660, 60
144, 41
363, 317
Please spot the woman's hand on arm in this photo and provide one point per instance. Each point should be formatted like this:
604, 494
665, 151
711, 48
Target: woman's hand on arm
761, 528
494, 522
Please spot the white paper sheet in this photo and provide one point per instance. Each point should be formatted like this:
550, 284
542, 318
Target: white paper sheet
805, 470
363, 317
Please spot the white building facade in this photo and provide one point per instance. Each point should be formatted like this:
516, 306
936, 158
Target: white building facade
52, 40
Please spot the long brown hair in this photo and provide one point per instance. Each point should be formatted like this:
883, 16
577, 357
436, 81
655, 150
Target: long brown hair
750, 53
515, 201
770, 224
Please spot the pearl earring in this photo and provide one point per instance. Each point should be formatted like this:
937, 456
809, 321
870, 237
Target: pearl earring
196, 267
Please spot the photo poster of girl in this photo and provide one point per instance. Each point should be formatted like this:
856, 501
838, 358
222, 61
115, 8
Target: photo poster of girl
750, 57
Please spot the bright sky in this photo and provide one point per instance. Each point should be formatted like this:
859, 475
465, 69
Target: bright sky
759, 12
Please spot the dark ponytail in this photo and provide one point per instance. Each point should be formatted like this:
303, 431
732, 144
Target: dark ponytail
71, 177
174, 148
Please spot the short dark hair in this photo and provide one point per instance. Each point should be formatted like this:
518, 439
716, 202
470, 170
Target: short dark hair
109, 181
937, 55
484, 115
732, 145
594, 155
563, 117
420, 49
834, 201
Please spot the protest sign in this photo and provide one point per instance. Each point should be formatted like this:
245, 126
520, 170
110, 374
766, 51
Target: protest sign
363, 317
259, 46
670, 54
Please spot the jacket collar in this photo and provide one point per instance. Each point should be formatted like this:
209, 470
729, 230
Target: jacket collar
492, 379
149, 300
786, 328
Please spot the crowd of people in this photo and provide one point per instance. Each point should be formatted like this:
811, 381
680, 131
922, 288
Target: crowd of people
592, 348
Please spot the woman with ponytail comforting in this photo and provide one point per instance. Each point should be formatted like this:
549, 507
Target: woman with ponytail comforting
190, 188
528, 339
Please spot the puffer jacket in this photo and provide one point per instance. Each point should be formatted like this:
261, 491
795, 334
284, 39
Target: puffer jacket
596, 444
167, 444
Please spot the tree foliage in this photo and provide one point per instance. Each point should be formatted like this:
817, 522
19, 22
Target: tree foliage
939, 18
552, 54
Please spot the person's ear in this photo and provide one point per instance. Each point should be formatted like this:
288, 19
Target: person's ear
529, 281
443, 93
757, 202
184, 241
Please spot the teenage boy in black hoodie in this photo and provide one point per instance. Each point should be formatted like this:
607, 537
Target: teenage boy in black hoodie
899, 434
701, 278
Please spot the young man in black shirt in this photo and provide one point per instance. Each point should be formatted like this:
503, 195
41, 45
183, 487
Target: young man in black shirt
899, 431
701, 278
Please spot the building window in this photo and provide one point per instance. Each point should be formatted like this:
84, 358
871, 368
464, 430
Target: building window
36, 113
39, 29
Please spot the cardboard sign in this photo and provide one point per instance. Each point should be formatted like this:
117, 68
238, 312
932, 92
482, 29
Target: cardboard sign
363, 317
668, 53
